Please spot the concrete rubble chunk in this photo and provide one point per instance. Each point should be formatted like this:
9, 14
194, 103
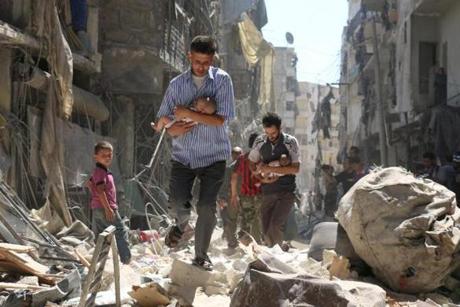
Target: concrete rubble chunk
186, 278
69, 287
262, 289
405, 228
150, 294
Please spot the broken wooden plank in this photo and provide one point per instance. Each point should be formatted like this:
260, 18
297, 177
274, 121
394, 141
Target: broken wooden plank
82, 259
11, 36
17, 248
8, 285
25, 263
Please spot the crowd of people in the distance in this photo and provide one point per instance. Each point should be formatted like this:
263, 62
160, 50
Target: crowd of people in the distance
336, 185
446, 173
430, 167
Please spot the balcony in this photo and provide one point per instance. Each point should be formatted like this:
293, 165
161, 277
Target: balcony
433, 6
373, 5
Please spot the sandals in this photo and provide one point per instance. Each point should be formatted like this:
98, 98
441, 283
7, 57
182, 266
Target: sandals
203, 263
173, 237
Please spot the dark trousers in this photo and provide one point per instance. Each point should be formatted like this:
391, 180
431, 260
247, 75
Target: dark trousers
181, 183
274, 214
79, 10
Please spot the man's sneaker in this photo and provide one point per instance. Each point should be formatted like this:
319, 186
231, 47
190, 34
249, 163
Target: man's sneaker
203, 263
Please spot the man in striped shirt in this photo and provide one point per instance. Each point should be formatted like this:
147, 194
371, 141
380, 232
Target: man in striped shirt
200, 146
250, 197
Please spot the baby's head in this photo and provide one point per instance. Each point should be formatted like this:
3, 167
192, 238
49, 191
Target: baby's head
284, 160
205, 105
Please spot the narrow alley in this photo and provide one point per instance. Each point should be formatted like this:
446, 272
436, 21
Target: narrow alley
231, 153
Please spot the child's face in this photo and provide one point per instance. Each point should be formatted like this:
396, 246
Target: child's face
104, 157
205, 107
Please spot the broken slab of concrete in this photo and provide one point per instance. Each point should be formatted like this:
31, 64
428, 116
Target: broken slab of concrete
186, 278
261, 289
69, 287
150, 294
406, 229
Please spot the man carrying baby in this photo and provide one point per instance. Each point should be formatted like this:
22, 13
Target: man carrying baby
277, 190
200, 144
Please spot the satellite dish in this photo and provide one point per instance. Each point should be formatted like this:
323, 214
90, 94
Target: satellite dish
289, 38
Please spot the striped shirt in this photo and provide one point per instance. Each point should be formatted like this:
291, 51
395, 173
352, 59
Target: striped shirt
204, 144
250, 186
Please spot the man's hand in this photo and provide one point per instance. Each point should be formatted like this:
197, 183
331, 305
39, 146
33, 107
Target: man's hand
180, 128
182, 112
264, 168
109, 214
270, 179
222, 203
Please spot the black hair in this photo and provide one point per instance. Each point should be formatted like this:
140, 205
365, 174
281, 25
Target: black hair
326, 167
429, 155
355, 148
208, 99
252, 139
204, 44
101, 146
271, 119
354, 160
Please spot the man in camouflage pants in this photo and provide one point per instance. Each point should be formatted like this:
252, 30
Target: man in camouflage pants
250, 198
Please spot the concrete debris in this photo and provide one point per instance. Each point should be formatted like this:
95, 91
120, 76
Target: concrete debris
330, 236
150, 294
262, 289
69, 287
405, 228
251, 274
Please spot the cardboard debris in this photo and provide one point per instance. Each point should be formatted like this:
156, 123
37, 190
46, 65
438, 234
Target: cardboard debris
150, 294
340, 268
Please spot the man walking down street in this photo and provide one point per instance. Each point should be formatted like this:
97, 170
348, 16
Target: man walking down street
278, 191
250, 196
200, 145
229, 210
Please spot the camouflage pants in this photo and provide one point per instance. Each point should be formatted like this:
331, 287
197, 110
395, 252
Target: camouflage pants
229, 215
250, 216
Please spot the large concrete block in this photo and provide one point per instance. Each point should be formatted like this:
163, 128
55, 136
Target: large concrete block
260, 289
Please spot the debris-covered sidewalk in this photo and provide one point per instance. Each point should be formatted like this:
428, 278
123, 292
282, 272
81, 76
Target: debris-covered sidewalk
41, 269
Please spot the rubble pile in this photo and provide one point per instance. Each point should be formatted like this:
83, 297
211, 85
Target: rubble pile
42, 269
405, 228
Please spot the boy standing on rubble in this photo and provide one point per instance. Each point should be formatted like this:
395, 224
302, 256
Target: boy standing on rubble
104, 199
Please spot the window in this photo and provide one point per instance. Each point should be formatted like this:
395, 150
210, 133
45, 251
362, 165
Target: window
289, 105
427, 59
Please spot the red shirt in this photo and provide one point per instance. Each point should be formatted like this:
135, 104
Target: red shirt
102, 176
250, 186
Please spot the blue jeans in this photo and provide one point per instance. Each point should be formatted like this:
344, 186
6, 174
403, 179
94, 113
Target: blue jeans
99, 223
181, 184
79, 10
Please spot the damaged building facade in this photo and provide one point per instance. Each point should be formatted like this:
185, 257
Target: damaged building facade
399, 93
317, 131
111, 62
